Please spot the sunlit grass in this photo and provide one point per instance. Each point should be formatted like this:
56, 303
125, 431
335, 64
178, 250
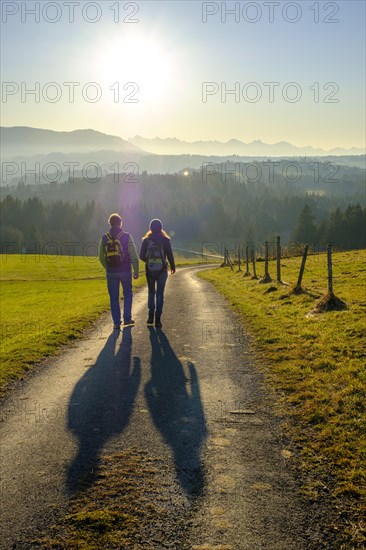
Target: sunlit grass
46, 302
316, 364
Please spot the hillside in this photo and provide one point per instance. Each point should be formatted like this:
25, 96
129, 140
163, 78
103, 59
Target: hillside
174, 146
24, 141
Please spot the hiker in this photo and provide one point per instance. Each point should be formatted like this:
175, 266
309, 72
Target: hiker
155, 250
117, 252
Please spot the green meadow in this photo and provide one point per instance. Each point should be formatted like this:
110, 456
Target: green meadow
46, 301
315, 364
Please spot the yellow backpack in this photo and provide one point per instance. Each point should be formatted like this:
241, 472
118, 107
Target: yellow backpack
114, 250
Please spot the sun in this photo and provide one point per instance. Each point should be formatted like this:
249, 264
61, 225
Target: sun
141, 60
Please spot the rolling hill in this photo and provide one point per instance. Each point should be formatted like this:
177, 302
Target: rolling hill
23, 141
174, 146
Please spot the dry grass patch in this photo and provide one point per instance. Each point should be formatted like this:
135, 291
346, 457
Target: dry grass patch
126, 507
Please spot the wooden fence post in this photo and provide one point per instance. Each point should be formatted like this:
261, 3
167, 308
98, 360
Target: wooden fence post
229, 262
279, 259
330, 302
266, 277
247, 272
239, 262
254, 276
303, 262
330, 270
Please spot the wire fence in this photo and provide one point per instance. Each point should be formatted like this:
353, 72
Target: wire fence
247, 258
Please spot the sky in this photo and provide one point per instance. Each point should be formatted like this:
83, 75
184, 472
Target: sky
274, 71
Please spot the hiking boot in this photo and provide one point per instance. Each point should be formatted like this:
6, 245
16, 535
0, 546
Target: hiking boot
158, 322
129, 323
150, 319
117, 326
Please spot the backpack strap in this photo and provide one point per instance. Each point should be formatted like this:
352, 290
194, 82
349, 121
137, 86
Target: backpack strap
110, 238
124, 239
150, 243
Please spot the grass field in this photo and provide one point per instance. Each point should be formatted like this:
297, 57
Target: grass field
47, 301
316, 365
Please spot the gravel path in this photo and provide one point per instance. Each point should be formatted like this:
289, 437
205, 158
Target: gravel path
189, 395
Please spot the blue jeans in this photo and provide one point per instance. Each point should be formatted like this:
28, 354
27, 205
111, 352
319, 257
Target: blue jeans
159, 283
113, 282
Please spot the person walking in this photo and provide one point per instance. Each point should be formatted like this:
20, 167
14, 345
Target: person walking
156, 252
117, 254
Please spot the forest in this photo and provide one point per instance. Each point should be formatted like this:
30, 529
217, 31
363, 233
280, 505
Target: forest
198, 206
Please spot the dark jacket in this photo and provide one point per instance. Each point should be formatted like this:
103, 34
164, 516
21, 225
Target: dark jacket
164, 242
130, 258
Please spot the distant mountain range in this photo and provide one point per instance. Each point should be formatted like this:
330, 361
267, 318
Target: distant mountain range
31, 147
174, 146
22, 141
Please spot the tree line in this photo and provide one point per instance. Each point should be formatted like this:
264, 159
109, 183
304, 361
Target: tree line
216, 203
68, 228
347, 230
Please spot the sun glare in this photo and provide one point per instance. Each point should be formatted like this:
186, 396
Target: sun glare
143, 60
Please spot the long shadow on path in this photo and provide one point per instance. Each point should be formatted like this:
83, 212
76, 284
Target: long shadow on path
176, 409
101, 406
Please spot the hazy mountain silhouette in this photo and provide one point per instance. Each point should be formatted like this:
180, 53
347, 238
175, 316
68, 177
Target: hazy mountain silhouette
26, 141
26, 148
174, 146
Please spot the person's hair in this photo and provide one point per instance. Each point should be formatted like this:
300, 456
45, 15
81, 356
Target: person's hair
115, 220
149, 233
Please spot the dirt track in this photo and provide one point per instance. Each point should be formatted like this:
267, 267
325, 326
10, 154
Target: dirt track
190, 395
